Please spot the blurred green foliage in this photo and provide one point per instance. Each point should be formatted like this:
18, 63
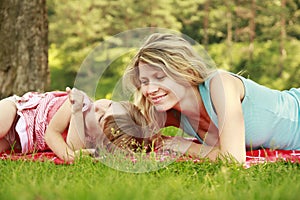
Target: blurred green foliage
259, 39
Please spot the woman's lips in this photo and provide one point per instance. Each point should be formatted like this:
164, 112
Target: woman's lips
157, 99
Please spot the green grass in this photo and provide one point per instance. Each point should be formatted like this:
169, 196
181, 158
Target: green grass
86, 179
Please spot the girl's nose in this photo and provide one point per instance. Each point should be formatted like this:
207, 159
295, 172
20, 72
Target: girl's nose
102, 105
106, 103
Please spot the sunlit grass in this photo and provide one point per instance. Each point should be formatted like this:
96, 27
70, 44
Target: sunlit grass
87, 179
117, 177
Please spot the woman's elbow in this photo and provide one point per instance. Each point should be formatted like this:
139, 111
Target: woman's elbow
232, 158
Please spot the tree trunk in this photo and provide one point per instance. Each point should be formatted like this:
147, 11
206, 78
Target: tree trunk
229, 31
282, 37
252, 28
24, 47
205, 24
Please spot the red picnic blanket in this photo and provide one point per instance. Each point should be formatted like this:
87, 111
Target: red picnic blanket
253, 157
38, 156
267, 155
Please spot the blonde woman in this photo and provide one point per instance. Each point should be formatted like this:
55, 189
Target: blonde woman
227, 113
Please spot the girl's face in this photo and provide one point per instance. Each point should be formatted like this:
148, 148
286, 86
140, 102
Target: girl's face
105, 108
163, 92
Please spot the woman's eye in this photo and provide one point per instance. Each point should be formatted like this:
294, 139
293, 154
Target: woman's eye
144, 82
160, 77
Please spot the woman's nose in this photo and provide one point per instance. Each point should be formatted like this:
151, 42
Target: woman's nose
152, 88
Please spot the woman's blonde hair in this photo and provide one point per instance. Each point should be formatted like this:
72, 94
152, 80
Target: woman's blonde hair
177, 58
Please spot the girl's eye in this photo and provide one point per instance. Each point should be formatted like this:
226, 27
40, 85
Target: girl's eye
100, 118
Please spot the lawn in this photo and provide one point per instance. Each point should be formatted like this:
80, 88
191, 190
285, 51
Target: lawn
87, 179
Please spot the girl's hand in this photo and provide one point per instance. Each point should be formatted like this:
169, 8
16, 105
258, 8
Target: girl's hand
76, 99
85, 152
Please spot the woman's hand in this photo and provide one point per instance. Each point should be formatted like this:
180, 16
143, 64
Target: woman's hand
190, 148
177, 144
76, 99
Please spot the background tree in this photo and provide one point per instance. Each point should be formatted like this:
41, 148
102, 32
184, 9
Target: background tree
259, 38
77, 27
24, 47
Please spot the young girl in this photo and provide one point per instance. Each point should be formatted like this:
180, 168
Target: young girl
68, 121
224, 111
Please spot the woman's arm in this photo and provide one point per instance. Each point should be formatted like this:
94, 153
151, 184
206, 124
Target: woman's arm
226, 94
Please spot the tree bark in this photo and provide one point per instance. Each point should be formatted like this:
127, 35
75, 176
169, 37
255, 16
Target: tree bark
229, 30
205, 24
282, 38
252, 28
24, 47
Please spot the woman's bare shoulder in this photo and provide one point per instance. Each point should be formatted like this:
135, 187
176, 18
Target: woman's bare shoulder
226, 81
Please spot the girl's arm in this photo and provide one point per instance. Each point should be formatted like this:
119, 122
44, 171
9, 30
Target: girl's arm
53, 136
76, 134
226, 94
70, 116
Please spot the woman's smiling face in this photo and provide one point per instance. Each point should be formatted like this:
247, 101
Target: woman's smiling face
162, 91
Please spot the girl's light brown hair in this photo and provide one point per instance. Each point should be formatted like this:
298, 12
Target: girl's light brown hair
130, 131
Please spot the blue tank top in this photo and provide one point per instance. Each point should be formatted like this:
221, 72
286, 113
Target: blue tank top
272, 117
